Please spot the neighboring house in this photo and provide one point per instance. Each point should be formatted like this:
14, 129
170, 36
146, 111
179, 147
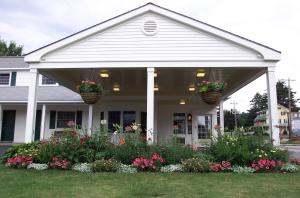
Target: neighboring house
153, 59
282, 112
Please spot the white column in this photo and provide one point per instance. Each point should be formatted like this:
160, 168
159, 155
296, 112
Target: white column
150, 105
221, 111
42, 134
90, 120
272, 106
1, 117
214, 122
31, 106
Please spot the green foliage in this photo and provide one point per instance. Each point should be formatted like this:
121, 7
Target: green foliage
242, 150
103, 165
89, 86
195, 165
206, 86
242, 169
11, 49
174, 154
30, 149
290, 168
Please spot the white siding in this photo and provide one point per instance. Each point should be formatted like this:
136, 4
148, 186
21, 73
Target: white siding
23, 78
173, 41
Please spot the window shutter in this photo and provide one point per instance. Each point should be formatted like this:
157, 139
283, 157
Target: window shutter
13, 78
79, 118
52, 119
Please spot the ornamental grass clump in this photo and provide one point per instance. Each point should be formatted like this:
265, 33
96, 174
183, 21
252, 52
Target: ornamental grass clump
103, 165
195, 165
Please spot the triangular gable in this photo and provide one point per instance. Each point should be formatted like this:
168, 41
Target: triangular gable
121, 38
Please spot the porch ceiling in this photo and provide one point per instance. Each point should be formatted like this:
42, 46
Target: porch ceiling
171, 82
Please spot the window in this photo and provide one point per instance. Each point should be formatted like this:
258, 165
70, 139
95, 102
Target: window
204, 126
4, 78
128, 118
47, 81
114, 117
63, 117
179, 123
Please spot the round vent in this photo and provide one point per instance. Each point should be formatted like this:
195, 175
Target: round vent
150, 27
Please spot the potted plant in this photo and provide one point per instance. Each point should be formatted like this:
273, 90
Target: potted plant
211, 92
90, 91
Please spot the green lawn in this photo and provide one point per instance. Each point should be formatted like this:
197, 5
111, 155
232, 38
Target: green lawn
53, 183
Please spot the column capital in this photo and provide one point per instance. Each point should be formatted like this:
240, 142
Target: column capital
271, 69
33, 70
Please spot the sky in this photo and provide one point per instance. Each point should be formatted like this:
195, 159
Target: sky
275, 23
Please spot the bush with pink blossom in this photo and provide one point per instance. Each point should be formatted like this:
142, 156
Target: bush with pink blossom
223, 166
58, 163
19, 161
266, 165
152, 164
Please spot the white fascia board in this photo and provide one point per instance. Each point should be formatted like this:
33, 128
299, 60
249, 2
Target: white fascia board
155, 64
267, 53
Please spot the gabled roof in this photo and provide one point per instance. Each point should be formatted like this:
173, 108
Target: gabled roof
267, 52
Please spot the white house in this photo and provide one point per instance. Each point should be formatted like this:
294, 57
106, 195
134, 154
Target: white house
153, 58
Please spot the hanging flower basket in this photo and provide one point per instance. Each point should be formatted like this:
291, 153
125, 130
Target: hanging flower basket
211, 97
90, 98
211, 92
90, 91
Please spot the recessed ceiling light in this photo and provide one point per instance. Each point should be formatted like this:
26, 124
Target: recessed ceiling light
116, 88
156, 88
104, 75
200, 74
182, 102
192, 88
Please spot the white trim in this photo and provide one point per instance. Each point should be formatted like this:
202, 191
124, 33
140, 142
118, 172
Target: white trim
90, 119
267, 53
13, 68
154, 64
221, 113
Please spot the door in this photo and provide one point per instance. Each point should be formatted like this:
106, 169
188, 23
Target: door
38, 120
202, 132
8, 125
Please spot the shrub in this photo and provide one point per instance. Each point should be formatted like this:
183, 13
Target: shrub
82, 167
220, 167
30, 149
103, 165
19, 161
174, 154
295, 161
242, 169
270, 153
195, 165
264, 165
88, 86
290, 168
152, 164
37, 166
123, 168
59, 163
171, 168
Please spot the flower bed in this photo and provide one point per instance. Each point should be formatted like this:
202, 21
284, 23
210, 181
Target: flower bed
96, 153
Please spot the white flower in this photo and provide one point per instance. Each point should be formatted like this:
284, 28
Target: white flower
135, 127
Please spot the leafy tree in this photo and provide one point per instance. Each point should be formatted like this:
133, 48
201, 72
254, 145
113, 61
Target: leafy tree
283, 94
10, 49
